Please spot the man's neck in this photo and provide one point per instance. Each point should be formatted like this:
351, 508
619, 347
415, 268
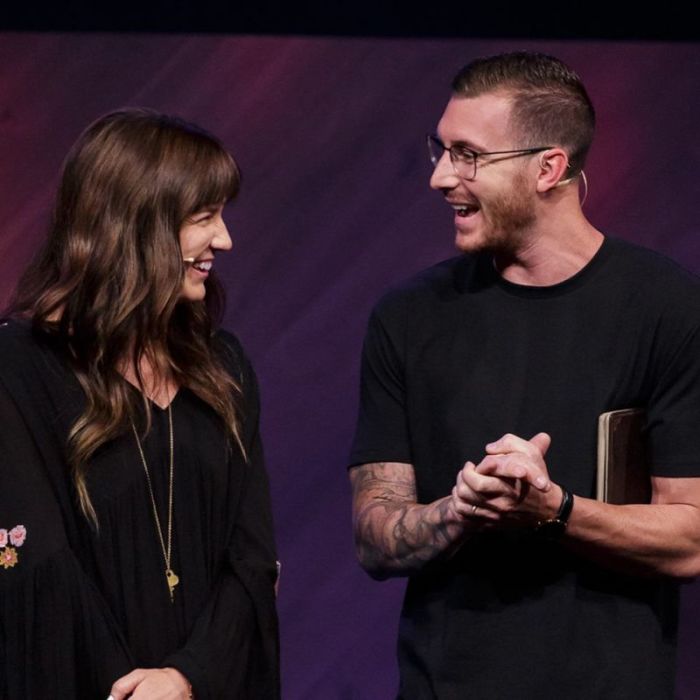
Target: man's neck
551, 255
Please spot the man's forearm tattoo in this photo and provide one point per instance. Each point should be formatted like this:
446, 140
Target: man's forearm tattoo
395, 535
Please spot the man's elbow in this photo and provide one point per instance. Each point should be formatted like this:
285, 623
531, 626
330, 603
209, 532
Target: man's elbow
686, 567
377, 573
380, 565
372, 562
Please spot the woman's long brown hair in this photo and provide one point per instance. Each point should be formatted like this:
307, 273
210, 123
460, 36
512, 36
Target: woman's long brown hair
108, 281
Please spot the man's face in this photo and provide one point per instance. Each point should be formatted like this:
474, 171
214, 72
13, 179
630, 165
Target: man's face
494, 210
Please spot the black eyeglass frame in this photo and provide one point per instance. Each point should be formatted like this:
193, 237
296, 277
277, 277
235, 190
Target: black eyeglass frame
457, 152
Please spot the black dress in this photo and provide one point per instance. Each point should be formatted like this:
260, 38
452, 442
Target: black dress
81, 607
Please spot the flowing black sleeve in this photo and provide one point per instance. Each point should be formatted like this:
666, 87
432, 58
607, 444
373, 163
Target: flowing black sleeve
57, 637
233, 650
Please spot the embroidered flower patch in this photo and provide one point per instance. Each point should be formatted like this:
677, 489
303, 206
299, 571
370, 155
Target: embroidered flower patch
15, 537
8, 557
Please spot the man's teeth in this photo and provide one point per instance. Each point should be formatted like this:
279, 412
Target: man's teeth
465, 209
204, 265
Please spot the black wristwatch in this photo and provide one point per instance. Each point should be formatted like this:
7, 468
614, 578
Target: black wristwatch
555, 527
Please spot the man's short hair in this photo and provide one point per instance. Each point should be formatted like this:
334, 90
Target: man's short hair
550, 105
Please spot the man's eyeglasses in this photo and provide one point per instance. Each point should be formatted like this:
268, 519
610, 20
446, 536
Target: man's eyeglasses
464, 159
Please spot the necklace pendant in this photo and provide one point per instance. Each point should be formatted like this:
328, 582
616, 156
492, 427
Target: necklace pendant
173, 580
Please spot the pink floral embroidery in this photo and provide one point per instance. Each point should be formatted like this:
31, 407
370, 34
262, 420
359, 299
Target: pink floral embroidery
3, 538
8, 557
17, 535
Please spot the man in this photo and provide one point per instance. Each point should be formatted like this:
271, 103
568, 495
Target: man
482, 381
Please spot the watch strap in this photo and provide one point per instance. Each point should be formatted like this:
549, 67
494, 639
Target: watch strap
553, 528
567, 504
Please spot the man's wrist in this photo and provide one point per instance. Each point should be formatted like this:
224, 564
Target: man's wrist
554, 525
554, 502
181, 680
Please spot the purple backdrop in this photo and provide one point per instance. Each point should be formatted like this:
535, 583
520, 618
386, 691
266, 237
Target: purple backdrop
335, 206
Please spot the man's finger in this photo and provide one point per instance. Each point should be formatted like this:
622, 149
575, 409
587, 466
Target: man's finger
541, 441
513, 443
480, 511
515, 466
124, 686
502, 466
486, 484
508, 443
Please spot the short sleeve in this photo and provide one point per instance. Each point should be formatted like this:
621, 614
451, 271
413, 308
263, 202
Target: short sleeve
382, 427
674, 412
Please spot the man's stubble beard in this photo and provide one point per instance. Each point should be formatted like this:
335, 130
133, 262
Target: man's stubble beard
508, 217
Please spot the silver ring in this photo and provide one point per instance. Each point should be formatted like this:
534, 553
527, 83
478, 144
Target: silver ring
474, 509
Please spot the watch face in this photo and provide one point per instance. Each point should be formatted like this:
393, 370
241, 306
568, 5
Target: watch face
551, 529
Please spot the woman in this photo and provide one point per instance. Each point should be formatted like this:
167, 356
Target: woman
136, 548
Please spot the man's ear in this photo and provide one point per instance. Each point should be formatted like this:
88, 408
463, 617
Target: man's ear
554, 164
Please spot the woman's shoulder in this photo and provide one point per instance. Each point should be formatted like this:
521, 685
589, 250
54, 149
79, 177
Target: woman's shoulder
27, 352
18, 342
226, 339
229, 348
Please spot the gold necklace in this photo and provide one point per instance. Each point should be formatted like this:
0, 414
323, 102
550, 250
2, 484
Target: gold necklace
170, 576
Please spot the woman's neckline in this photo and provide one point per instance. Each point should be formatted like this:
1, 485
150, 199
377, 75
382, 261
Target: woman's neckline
157, 404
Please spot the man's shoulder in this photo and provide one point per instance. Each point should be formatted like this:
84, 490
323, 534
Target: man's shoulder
440, 282
647, 265
654, 284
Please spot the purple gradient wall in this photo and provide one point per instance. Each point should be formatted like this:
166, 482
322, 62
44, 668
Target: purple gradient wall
335, 207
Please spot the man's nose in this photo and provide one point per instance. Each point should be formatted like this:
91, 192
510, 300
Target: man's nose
444, 175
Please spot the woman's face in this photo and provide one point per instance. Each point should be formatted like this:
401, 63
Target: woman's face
201, 236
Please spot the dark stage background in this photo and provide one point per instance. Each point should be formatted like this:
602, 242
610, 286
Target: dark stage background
335, 207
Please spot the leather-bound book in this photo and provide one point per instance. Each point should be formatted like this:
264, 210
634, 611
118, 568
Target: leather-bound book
623, 458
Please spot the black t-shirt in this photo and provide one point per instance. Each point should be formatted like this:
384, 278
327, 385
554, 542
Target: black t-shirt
458, 357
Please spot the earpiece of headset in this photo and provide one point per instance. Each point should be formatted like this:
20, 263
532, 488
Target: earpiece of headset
571, 179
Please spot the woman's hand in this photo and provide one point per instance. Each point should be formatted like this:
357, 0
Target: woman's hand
152, 684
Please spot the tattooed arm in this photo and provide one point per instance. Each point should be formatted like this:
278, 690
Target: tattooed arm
395, 535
